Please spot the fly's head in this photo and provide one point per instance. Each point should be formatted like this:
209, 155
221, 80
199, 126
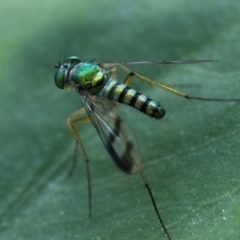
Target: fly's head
62, 77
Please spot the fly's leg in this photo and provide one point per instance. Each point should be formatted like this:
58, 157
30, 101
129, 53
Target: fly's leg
74, 162
72, 121
170, 89
114, 72
152, 199
140, 170
130, 154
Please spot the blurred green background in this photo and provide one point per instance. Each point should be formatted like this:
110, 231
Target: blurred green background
191, 157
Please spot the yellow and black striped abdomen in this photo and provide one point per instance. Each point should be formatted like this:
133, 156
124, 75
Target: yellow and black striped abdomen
121, 93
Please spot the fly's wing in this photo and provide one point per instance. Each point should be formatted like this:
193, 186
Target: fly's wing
115, 63
109, 127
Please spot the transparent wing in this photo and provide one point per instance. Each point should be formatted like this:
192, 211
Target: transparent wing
108, 124
113, 63
109, 127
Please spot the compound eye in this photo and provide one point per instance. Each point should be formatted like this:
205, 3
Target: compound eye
59, 78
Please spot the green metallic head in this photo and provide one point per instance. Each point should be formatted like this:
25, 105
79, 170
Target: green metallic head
81, 75
61, 77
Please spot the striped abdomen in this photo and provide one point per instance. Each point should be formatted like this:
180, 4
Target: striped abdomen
121, 93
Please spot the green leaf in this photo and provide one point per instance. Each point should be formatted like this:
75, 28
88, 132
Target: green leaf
191, 157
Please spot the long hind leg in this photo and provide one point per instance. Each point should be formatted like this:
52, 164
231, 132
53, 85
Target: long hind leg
131, 74
72, 121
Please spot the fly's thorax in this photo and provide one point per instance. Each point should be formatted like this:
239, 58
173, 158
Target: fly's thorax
88, 77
